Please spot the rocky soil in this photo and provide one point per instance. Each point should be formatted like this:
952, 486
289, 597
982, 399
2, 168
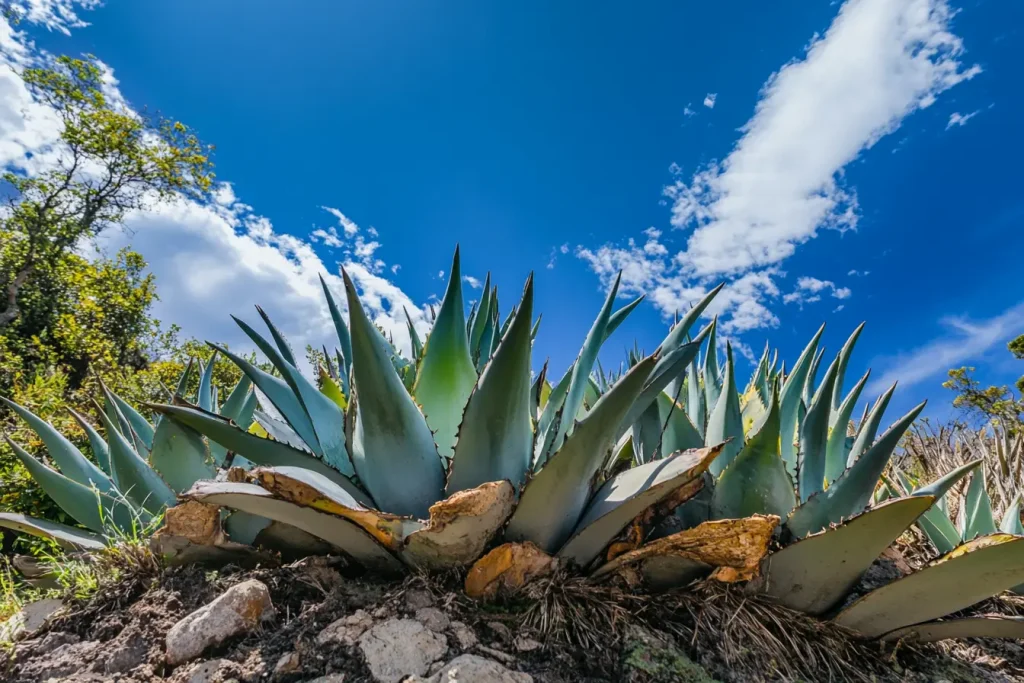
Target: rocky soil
311, 621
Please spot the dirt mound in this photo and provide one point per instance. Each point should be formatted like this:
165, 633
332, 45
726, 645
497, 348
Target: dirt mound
334, 625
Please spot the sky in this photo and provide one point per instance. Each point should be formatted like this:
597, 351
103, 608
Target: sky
830, 162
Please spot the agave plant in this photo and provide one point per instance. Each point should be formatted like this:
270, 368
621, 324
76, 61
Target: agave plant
789, 454
422, 462
136, 472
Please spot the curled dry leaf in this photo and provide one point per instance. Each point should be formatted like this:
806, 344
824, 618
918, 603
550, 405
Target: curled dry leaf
507, 568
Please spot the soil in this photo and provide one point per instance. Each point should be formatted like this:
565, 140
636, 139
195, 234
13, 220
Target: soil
560, 631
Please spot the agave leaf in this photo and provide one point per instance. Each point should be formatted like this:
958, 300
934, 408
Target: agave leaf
712, 378
695, 407
309, 489
646, 434
814, 437
180, 456
537, 391
447, 374
330, 389
344, 337
68, 537
140, 426
282, 344
69, 459
87, 506
496, 436
96, 442
139, 482
837, 392
262, 451
726, 420
619, 317
869, 427
934, 522
536, 328
986, 626
243, 527
553, 500
835, 451
205, 397
851, 492
811, 375
678, 433
581, 373
340, 532
186, 376
547, 424
629, 494
789, 400
322, 413
390, 434
234, 407
279, 430
756, 482
1010, 523
677, 335
976, 570
978, 508
814, 574
414, 337
279, 394
483, 314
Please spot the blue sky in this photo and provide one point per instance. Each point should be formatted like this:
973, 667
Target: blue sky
830, 162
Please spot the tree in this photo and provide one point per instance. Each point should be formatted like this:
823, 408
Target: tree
110, 161
996, 404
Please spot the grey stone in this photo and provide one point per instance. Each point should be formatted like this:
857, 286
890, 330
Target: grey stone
27, 621
475, 669
464, 635
207, 672
417, 598
62, 661
239, 610
287, 664
432, 618
329, 678
128, 654
501, 630
401, 647
346, 631
524, 644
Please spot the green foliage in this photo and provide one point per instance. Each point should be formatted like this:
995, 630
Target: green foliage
996, 404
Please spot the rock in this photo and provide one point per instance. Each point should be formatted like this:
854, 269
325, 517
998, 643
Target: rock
417, 598
474, 669
524, 644
329, 678
501, 630
649, 657
287, 664
239, 610
464, 635
209, 672
63, 661
432, 618
399, 648
130, 652
51, 641
27, 621
346, 630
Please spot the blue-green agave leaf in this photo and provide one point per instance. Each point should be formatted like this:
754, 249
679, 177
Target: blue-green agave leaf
140, 425
851, 492
678, 433
344, 336
72, 463
496, 436
1010, 523
790, 398
677, 335
205, 397
66, 536
183, 381
553, 500
978, 508
390, 435
180, 456
756, 482
447, 375
139, 482
482, 317
869, 427
814, 437
836, 455
710, 371
279, 340
414, 336
726, 420
99, 447
844, 361
811, 375
619, 317
695, 406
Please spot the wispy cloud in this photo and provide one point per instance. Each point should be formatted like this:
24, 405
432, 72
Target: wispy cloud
782, 183
958, 119
472, 281
809, 290
963, 341
709, 100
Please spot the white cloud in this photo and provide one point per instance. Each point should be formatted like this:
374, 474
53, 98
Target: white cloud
782, 183
858, 273
709, 100
688, 112
965, 340
346, 223
210, 259
958, 119
472, 281
808, 291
